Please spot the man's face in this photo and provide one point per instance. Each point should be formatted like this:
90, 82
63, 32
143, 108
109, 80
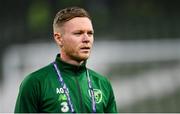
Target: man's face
77, 38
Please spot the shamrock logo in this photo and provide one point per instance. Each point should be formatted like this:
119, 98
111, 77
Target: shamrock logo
97, 95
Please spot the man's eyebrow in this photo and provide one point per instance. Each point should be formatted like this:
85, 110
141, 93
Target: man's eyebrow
84, 30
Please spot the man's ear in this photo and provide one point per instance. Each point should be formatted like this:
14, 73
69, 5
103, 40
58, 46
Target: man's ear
58, 38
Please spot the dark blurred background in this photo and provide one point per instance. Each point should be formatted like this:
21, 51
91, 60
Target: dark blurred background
28, 21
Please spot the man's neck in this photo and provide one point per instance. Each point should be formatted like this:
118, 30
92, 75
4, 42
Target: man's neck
67, 59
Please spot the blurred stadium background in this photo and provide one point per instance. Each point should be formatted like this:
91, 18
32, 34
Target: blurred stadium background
137, 46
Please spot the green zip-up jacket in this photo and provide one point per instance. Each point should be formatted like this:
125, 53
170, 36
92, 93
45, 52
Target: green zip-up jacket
41, 91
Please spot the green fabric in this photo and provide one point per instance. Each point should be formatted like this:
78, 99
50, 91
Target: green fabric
41, 91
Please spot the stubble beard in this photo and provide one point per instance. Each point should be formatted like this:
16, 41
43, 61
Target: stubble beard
80, 58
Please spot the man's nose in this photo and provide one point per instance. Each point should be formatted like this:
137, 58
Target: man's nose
85, 38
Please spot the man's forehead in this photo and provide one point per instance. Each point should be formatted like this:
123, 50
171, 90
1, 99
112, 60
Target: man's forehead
79, 23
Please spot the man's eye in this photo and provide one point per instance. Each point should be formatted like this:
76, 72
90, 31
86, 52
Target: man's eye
90, 33
77, 33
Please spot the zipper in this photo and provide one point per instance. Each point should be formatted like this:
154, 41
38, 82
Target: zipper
80, 94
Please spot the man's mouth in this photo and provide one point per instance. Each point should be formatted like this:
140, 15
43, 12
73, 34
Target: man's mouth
85, 48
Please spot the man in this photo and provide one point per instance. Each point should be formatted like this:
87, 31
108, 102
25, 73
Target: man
67, 85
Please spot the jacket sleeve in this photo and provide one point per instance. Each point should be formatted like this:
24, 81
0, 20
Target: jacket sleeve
111, 107
27, 100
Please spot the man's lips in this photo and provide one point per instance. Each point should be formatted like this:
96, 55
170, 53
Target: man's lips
85, 48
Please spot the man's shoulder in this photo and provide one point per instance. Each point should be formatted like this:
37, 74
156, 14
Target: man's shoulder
97, 75
39, 74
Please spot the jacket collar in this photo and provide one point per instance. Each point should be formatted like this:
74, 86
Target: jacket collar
70, 68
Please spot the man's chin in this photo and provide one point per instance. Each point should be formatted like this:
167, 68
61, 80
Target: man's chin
83, 57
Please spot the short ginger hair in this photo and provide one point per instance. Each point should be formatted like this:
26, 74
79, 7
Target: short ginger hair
67, 14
